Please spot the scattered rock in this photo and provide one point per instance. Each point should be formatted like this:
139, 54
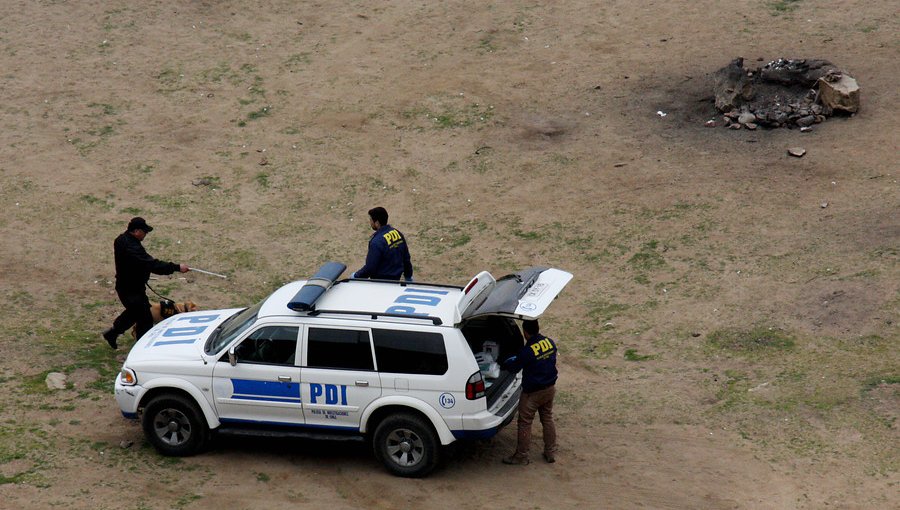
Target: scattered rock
750, 125
806, 121
824, 205
710, 123
746, 118
263, 161
734, 126
797, 152
125, 444
56, 381
806, 129
203, 181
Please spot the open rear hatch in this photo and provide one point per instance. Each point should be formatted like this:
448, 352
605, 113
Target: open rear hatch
522, 295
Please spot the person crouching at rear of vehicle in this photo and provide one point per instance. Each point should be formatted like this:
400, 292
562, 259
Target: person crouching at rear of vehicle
388, 256
133, 268
537, 360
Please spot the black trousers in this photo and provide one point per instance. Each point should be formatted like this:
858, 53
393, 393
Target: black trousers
137, 312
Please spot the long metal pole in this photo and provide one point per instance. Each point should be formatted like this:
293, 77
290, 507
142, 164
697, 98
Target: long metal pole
209, 272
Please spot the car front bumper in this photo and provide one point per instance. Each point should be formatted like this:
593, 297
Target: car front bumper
128, 398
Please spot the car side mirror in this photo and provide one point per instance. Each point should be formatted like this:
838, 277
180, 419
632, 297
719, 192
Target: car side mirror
232, 357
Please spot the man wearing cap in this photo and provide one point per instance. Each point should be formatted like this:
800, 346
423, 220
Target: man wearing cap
388, 257
133, 268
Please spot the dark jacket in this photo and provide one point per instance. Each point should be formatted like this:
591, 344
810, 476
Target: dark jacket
388, 256
537, 360
134, 265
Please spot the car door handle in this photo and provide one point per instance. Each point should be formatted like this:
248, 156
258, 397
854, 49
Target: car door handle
284, 378
362, 383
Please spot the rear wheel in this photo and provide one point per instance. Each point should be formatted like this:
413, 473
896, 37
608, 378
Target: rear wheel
174, 425
406, 445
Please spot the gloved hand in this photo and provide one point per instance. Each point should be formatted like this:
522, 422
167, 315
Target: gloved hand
353, 275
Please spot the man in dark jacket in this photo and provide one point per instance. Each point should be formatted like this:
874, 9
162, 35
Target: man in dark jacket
388, 256
133, 268
537, 360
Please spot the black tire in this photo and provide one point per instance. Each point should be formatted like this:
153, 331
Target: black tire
406, 445
175, 426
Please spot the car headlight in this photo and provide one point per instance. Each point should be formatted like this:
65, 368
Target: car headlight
127, 377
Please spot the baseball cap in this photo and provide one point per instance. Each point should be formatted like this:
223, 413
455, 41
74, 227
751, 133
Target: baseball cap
139, 223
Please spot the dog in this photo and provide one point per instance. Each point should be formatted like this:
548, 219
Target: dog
165, 309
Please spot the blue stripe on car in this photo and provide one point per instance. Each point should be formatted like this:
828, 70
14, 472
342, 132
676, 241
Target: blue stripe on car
247, 389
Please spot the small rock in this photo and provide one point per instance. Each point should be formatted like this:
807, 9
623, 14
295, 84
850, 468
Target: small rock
263, 161
695, 334
820, 119
125, 444
746, 118
750, 125
734, 126
797, 152
56, 381
824, 205
203, 181
806, 129
710, 123
806, 121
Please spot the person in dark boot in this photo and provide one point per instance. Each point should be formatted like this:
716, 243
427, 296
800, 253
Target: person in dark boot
133, 268
537, 360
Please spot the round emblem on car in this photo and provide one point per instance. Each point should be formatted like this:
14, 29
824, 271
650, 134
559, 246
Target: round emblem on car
447, 400
528, 307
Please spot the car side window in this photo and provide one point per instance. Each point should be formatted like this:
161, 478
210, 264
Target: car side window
339, 348
273, 345
410, 352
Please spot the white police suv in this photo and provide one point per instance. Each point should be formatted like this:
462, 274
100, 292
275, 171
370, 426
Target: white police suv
409, 366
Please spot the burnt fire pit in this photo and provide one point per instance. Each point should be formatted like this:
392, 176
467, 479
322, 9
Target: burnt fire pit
790, 93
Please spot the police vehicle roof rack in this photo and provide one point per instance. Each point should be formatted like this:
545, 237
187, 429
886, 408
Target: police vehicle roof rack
402, 283
374, 315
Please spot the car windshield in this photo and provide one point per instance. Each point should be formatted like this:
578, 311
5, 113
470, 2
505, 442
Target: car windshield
232, 327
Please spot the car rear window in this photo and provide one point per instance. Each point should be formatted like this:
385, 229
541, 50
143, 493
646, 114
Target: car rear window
339, 348
410, 352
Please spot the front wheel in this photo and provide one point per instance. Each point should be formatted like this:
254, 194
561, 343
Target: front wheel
175, 426
406, 445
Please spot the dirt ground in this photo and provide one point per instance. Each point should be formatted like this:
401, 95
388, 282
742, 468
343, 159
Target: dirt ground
730, 339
